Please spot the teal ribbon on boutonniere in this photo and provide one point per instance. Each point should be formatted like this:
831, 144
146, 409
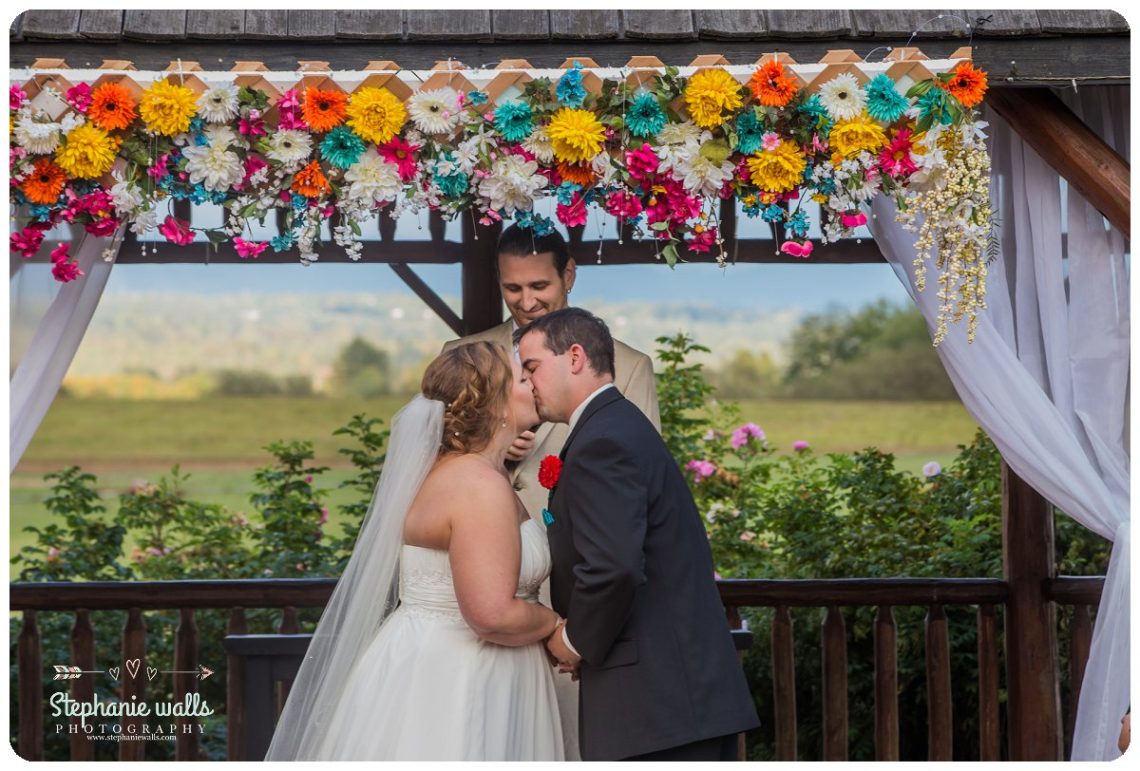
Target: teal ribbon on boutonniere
547, 517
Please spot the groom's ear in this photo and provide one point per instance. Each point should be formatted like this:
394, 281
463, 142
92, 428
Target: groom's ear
577, 358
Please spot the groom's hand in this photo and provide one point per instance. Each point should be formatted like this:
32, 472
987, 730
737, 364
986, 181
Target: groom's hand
557, 648
521, 446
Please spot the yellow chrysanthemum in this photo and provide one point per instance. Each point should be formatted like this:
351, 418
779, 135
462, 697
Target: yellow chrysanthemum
167, 108
376, 114
778, 170
709, 94
88, 152
850, 137
576, 136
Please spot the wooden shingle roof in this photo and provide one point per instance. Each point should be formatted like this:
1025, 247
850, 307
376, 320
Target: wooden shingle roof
1014, 45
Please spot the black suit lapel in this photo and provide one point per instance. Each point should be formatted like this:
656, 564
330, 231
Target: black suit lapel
605, 398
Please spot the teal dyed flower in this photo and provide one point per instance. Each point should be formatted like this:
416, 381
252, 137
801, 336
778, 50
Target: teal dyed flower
450, 181
569, 90
813, 108
342, 147
749, 132
645, 116
934, 104
477, 98
797, 224
514, 121
884, 102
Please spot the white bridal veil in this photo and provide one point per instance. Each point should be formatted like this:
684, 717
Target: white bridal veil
367, 592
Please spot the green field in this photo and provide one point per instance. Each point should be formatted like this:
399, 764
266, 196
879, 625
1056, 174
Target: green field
219, 441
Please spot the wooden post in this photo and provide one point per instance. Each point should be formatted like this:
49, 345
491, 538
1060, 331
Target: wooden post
482, 300
1093, 168
1031, 626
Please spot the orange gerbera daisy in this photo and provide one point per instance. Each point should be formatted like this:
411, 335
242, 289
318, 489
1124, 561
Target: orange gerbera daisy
967, 84
324, 110
112, 107
45, 183
578, 173
771, 86
311, 181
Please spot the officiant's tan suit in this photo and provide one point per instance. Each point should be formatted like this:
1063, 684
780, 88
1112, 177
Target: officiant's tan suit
633, 372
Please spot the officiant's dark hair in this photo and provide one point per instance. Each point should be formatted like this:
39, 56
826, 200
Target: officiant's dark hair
522, 242
565, 327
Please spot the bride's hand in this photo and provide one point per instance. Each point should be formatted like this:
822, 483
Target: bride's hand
521, 447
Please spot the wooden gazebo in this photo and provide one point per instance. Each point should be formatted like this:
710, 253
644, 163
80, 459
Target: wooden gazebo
1025, 53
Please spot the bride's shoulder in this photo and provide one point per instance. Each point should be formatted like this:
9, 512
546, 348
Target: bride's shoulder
469, 474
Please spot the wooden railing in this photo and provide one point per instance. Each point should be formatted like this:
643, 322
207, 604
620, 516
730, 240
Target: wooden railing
831, 595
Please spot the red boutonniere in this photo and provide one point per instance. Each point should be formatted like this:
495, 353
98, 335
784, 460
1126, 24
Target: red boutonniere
549, 470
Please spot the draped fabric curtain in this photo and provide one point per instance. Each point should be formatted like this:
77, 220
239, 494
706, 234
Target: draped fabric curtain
42, 366
1047, 375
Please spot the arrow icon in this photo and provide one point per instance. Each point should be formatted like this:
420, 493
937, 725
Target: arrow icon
202, 671
63, 672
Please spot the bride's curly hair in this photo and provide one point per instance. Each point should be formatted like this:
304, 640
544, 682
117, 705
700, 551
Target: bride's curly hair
473, 380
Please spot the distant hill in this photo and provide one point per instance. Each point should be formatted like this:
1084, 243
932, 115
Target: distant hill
172, 334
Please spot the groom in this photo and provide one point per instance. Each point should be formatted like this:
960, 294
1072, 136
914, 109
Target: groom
632, 571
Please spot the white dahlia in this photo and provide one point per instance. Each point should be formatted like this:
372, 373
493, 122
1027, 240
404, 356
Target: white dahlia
842, 97
513, 184
373, 177
214, 166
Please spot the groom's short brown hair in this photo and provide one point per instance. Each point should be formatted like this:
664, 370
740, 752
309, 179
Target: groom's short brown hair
565, 327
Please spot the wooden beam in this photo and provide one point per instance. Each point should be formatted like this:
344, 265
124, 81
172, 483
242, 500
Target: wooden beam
428, 295
1093, 168
482, 300
1034, 703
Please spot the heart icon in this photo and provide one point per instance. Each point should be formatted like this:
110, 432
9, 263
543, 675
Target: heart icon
151, 672
114, 673
133, 666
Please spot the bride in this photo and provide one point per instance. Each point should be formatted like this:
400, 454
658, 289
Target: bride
430, 646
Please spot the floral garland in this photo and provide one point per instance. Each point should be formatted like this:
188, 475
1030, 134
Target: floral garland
659, 156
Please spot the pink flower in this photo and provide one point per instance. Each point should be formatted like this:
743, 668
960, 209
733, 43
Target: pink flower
253, 164
770, 141
796, 249
747, 536
931, 469
818, 145
27, 241
79, 97
745, 434
641, 163
574, 214
65, 271
622, 203
159, 169
702, 469
895, 159
853, 220
290, 100
16, 97
324, 515
103, 227
254, 127
703, 241
402, 155
300, 566
800, 445
59, 253
249, 249
176, 231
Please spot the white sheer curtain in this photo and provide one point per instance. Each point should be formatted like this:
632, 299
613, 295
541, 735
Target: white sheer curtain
41, 369
1047, 375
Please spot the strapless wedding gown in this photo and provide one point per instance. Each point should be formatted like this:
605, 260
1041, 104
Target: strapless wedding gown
427, 688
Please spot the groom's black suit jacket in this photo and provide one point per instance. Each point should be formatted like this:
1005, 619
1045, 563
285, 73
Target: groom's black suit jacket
633, 576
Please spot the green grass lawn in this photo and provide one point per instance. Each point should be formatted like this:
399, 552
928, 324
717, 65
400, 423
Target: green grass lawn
219, 441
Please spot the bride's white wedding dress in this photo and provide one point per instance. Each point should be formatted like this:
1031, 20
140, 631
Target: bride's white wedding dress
427, 688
